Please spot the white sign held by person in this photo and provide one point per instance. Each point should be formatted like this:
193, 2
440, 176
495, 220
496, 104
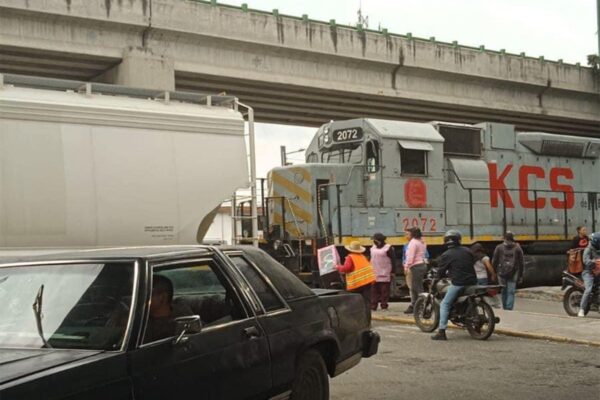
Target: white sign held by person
328, 258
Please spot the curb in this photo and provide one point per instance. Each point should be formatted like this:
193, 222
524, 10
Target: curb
500, 331
540, 295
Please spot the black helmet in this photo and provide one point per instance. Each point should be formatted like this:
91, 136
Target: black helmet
595, 240
452, 238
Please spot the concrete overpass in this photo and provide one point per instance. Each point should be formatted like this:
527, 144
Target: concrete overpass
293, 70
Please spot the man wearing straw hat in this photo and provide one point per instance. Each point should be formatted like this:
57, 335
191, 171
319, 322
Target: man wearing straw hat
359, 272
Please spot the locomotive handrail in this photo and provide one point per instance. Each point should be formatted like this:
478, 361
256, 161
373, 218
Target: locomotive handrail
592, 204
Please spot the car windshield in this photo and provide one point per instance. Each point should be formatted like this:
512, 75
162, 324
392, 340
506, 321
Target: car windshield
80, 306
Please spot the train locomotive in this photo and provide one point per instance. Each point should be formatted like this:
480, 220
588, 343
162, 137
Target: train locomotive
365, 175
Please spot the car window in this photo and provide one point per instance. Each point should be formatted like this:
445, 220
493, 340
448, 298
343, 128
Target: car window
197, 288
287, 284
263, 290
75, 306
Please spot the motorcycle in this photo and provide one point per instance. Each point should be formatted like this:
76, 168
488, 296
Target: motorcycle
470, 310
572, 297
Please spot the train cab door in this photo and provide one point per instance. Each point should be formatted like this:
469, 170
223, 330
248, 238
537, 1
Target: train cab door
373, 176
324, 210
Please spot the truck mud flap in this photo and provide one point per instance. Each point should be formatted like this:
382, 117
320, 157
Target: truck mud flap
371, 341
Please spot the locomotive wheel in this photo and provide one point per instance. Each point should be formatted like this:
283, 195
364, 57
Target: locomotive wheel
481, 322
427, 314
572, 300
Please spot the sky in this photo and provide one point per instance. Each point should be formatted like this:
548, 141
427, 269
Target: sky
556, 29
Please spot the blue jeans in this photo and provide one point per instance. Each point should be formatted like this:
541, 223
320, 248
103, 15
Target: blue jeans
508, 292
482, 281
588, 281
451, 295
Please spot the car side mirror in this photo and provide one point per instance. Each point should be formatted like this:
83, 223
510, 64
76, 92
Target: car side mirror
187, 325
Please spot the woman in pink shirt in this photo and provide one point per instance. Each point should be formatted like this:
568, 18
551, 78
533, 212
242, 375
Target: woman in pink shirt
414, 265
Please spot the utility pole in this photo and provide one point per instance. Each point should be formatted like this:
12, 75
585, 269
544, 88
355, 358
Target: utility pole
598, 24
283, 155
362, 20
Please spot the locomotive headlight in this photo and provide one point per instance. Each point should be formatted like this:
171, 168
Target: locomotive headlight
326, 139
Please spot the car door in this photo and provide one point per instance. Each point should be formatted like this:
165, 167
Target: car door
228, 359
277, 319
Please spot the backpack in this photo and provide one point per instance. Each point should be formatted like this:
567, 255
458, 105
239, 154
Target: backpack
507, 267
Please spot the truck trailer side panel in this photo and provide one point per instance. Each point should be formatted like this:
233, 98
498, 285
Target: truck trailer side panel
89, 170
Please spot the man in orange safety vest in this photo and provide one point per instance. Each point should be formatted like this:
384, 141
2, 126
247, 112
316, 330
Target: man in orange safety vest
359, 273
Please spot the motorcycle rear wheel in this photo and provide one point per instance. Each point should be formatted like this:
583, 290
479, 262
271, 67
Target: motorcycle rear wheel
482, 321
427, 314
572, 300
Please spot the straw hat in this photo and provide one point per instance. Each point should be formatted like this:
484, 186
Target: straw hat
355, 247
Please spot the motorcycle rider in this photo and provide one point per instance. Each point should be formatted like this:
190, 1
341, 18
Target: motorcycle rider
458, 262
591, 255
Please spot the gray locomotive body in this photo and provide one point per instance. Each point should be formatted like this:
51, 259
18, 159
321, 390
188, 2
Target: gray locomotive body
366, 175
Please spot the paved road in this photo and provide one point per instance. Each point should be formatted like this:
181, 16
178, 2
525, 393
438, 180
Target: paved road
410, 366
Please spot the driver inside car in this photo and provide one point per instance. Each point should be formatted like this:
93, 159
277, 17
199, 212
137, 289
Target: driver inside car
458, 262
161, 321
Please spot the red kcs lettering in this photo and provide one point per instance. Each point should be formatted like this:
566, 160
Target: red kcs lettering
524, 172
498, 187
555, 174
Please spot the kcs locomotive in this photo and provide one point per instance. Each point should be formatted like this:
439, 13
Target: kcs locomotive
363, 176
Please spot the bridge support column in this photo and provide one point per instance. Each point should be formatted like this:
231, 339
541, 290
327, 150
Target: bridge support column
142, 68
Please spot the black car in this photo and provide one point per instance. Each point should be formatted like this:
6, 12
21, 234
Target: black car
172, 322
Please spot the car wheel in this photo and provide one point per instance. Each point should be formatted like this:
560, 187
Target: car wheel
311, 381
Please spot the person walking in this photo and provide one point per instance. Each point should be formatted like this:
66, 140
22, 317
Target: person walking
508, 264
458, 262
383, 260
575, 252
414, 265
358, 271
591, 256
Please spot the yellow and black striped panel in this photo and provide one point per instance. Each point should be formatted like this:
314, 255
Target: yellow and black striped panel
293, 183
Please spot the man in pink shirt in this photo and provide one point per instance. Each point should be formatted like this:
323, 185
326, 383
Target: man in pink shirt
414, 265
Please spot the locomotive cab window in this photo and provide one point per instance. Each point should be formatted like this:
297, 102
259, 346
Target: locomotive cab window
413, 157
372, 156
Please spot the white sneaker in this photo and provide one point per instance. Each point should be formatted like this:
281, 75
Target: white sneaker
581, 313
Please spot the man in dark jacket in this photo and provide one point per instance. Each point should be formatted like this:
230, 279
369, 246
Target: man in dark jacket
508, 264
458, 262
591, 256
